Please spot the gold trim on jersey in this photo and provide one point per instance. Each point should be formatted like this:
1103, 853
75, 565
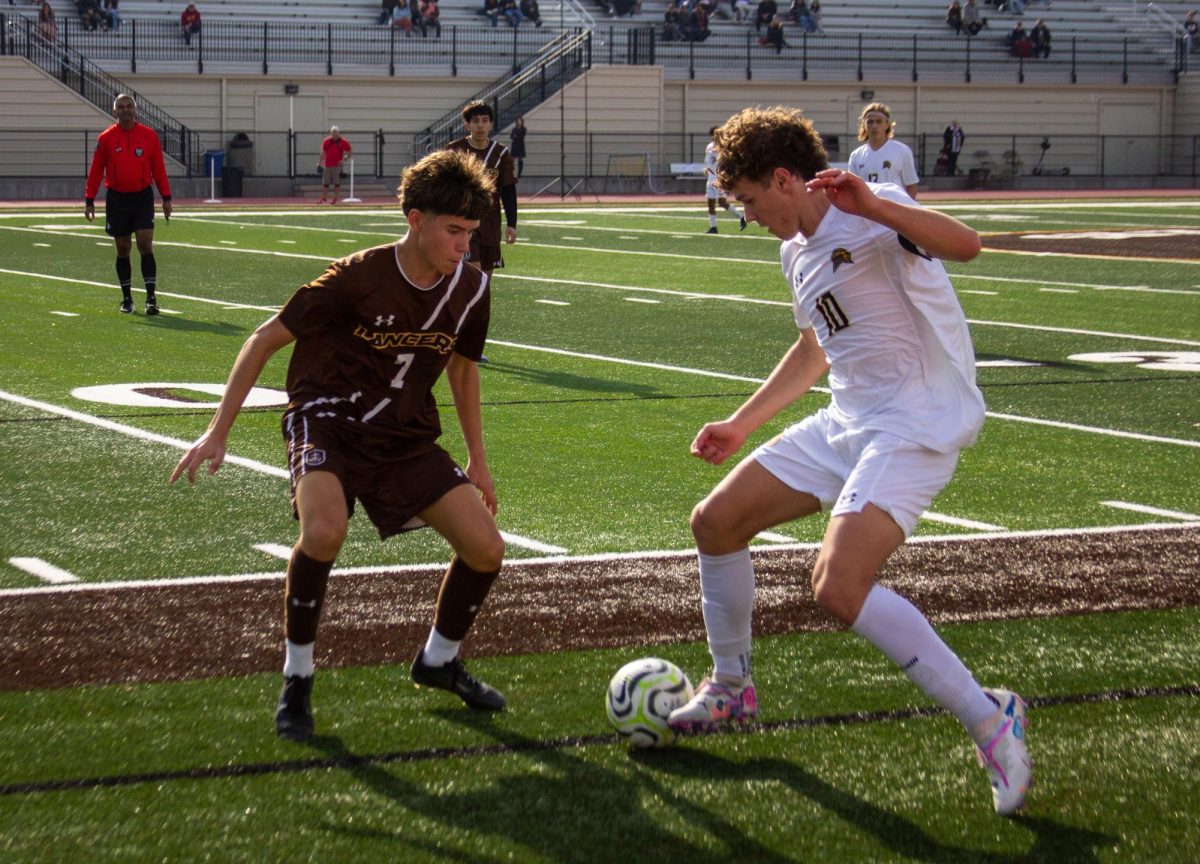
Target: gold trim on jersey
441, 342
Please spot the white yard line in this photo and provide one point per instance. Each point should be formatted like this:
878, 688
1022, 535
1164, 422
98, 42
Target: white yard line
1152, 511
275, 550
44, 570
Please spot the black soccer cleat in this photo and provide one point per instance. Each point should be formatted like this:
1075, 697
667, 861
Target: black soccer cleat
741, 223
712, 230
127, 305
455, 678
293, 717
151, 307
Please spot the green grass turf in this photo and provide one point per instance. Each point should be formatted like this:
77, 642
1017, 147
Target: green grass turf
1114, 779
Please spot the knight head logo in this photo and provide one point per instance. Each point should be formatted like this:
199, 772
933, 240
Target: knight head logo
887, 163
840, 256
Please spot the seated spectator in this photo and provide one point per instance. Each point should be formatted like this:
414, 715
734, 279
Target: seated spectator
47, 26
1018, 41
670, 27
620, 8
491, 9
1040, 37
1191, 29
814, 13
954, 17
775, 34
700, 29
767, 9
385, 13
402, 17
431, 18
742, 10
112, 14
973, 21
89, 14
529, 8
511, 12
189, 23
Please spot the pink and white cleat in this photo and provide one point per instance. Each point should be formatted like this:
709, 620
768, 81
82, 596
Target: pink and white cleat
715, 705
1006, 756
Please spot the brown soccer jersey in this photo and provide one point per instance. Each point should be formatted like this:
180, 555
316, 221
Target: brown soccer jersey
370, 344
499, 162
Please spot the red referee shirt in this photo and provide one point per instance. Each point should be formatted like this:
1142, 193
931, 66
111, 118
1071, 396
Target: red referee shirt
129, 160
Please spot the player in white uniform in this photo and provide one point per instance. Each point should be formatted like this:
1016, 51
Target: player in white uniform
876, 309
713, 193
883, 159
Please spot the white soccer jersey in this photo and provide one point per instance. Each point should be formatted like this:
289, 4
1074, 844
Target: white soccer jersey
891, 163
887, 318
711, 190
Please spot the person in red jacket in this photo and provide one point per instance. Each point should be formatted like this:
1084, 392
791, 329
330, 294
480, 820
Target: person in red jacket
129, 158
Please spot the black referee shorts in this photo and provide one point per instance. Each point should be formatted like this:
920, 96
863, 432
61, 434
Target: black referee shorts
127, 212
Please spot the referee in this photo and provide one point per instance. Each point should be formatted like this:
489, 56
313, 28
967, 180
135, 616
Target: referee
129, 157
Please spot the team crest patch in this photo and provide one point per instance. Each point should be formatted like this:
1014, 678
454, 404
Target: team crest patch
313, 458
887, 163
840, 256
137, 151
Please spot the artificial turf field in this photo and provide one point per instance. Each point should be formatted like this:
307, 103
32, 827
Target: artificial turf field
616, 333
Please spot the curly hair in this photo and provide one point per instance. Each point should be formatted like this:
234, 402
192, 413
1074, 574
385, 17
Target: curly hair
447, 183
755, 141
880, 108
477, 107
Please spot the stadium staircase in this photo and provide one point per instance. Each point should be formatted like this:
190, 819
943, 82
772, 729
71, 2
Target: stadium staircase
19, 38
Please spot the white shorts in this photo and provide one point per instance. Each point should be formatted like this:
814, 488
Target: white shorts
847, 468
712, 191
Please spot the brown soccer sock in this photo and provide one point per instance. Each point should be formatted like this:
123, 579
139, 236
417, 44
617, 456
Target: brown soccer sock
460, 598
303, 596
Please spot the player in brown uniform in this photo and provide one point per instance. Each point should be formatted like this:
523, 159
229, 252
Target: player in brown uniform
373, 333
485, 246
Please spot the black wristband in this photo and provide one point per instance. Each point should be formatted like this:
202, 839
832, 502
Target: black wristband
91, 202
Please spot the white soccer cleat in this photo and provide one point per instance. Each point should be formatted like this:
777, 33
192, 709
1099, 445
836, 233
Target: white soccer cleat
715, 705
1006, 756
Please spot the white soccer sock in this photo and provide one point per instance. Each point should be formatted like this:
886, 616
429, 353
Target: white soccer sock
299, 660
898, 629
712, 220
727, 593
439, 650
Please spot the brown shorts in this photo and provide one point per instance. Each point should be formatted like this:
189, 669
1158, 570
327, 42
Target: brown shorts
331, 174
485, 257
394, 480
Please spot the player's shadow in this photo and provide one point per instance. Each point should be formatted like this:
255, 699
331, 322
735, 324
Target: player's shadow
191, 325
566, 809
1053, 841
569, 380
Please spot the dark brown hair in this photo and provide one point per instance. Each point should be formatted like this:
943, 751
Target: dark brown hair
756, 141
447, 183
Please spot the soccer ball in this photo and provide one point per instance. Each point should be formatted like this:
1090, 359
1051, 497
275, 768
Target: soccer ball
641, 695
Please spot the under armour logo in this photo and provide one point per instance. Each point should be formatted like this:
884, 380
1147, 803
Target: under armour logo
310, 604
384, 321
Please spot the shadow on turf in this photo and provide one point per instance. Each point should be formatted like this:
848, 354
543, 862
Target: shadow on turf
569, 380
189, 325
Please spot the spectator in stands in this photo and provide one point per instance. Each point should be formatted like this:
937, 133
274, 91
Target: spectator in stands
1018, 41
529, 8
767, 9
775, 34
1191, 31
954, 17
814, 13
699, 31
621, 8
973, 21
402, 18
670, 27
742, 10
491, 10
511, 12
189, 23
952, 144
798, 10
333, 150
1040, 37
431, 18
112, 14
89, 14
385, 12
1016, 7
517, 147
47, 26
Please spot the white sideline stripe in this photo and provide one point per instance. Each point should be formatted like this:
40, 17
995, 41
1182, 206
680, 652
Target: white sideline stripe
930, 516
44, 570
552, 302
641, 300
1075, 427
64, 314
535, 545
1059, 290
773, 537
1152, 511
252, 464
1056, 254
224, 304
985, 293
275, 550
603, 251
655, 555
1078, 332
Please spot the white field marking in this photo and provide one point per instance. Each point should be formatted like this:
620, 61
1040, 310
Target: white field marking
604, 251
603, 557
253, 465
626, 237
175, 245
774, 537
564, 237
1059, 290
288, 242
42, 245
997, 364
957, 276
64, 314
640, 300
275, 550
1112, 234
1152, 511
224, 304
536, 546
1151, 259
673, 234
1075, 427
1078, 332
985, 293
347, 240
680, 237
102, 244
694, 295
286, 227
44, 570
553, 223
228, 242
930, 516
553, 302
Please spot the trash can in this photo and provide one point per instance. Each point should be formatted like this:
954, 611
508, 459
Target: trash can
231, 183
213, 161
240, 153
977, 178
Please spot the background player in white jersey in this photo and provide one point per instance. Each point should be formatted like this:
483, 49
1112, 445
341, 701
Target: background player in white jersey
712, 192
883, 159
876, 310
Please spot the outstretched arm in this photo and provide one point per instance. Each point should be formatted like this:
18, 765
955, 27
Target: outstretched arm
463, 377
257, 350
792, 377
940, 235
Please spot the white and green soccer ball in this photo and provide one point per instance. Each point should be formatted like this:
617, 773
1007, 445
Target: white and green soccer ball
641, 696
